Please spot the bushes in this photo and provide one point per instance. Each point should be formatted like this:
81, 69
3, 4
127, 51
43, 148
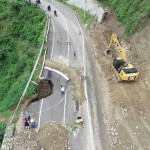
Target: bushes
19, 35
2, 130
132, 13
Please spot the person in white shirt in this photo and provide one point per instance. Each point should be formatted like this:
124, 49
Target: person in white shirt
62, 90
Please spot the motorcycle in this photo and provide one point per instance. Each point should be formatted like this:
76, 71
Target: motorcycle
55, 13
38, 1
49, 8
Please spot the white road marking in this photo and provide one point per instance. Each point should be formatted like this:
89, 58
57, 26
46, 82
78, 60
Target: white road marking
40, 114
53, 105
65, 107
66, 30
67, 33
49, 107
85, 85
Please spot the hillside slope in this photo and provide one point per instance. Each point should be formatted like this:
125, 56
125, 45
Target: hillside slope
21, 29
21, 33
125, 105
133, 14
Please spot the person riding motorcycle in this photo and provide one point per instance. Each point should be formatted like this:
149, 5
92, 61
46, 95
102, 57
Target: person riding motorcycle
49, 7
55, 12
38, 1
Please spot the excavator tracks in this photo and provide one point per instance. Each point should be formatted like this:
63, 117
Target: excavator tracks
115, 73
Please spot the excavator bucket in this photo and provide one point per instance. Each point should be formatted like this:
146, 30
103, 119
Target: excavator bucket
108, 53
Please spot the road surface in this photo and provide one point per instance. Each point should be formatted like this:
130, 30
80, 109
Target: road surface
66, 37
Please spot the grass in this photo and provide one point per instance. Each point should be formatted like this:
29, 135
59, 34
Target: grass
21, 36
20, 41
134, 14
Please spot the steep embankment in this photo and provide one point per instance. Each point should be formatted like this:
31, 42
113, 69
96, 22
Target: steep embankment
21, 31
125, 105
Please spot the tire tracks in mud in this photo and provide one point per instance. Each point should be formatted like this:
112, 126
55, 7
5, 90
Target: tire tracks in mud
127, 100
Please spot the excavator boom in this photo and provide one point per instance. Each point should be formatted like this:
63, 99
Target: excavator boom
121, 49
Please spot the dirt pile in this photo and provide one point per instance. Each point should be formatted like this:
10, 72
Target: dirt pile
74, 76
44, 88
25, 140
52, 136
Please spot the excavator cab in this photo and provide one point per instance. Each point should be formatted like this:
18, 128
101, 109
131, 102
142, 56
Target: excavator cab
118, 64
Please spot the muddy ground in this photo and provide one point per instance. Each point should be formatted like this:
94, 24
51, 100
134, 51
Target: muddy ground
126, 105
52, 136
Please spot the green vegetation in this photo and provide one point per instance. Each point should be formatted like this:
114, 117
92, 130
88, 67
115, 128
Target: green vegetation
2, 130
132, 13
21, 33
87, 19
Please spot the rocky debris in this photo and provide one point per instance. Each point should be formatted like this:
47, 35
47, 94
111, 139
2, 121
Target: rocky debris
125, 105
25, 140
52, 136
9, 132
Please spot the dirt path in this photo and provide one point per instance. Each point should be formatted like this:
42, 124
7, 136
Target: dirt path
125, 105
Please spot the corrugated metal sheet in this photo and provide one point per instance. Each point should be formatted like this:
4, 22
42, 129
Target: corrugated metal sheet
88, 6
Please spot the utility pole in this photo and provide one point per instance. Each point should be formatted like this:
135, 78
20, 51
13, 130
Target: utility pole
84, 9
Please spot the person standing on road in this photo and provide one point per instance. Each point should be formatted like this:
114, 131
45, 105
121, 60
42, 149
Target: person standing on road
27, 115
24, 120
74, 54
26, 124
36, 4
23, 114
62, 90
33, 125
94, 24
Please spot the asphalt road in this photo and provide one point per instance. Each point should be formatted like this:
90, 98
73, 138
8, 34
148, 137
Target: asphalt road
65, 38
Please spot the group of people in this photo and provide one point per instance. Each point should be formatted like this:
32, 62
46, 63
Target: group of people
27, 121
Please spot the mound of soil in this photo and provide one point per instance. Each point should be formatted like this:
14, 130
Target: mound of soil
126, 104
44, 88
52, 136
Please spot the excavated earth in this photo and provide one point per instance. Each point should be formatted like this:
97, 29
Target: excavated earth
125, 105
52, 136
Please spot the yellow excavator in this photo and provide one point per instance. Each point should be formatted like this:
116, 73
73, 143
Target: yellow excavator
124, 71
